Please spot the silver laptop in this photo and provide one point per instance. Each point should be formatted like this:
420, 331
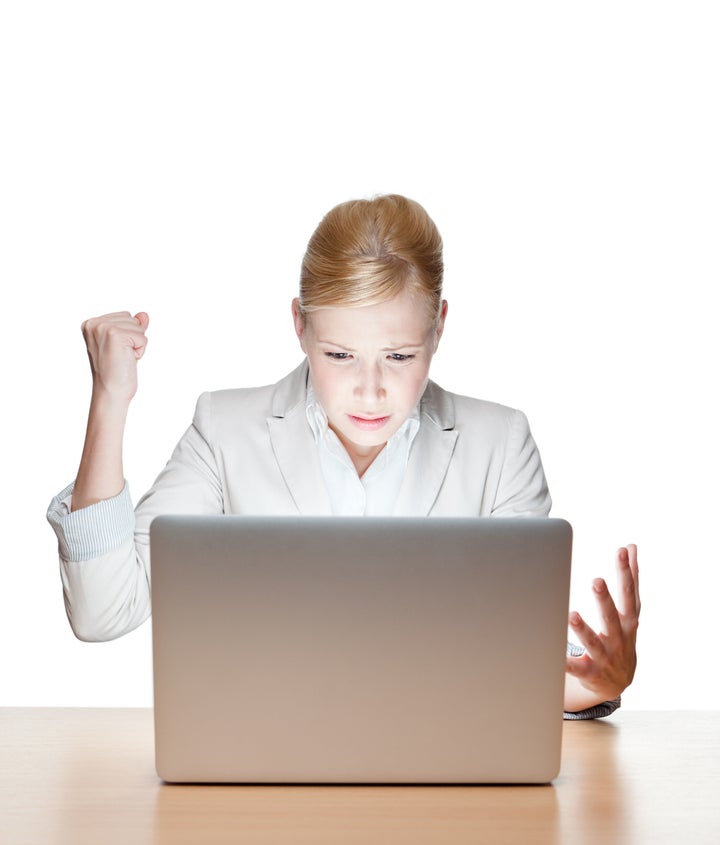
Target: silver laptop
358, 650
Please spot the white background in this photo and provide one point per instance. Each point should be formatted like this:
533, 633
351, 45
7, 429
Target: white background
175, 158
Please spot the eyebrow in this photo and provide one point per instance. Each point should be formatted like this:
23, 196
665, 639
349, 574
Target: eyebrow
403, 346
384, 349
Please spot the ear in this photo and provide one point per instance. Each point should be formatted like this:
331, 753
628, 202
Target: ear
299, 321
440, 328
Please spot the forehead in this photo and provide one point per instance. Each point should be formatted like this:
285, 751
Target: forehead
401, 320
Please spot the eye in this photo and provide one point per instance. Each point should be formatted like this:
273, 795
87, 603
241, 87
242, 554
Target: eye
398, 356
338, 356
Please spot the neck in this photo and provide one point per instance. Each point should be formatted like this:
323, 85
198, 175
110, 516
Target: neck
361, 456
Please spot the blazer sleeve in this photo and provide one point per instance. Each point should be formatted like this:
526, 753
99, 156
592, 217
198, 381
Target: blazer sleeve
104, 582
104, 549
522, 489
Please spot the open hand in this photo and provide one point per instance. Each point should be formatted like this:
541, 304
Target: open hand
608, 665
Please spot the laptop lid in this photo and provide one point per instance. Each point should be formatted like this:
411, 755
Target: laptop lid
330, 649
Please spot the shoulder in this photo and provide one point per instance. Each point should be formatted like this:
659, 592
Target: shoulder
253, 405
456, 411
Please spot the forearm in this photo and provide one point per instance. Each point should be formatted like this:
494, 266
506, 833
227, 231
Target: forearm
100, 474
115, 342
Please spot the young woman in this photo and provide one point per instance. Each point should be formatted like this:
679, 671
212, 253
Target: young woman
357, 428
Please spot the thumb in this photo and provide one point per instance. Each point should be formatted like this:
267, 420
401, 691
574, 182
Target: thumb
142, 319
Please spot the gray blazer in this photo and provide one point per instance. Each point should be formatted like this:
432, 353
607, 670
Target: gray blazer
251, 451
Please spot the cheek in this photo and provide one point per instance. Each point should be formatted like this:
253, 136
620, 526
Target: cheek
416, 388
325, 380
415, 381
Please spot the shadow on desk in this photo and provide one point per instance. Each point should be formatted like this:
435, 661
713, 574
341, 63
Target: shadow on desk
348, 814
586, 796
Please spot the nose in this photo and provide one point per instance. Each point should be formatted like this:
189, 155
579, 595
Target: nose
370, 386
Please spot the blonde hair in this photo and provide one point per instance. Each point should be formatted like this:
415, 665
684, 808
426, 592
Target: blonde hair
365, 252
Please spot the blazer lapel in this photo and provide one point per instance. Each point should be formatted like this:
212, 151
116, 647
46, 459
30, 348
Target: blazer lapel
430, 454
297, 456
294, 447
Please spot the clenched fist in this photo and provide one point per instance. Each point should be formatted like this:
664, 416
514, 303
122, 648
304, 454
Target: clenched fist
115, 343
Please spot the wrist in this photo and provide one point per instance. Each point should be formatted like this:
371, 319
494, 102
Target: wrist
108, 403
579, 697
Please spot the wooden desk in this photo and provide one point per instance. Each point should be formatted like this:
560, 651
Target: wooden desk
87, 776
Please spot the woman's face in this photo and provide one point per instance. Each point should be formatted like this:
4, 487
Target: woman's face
369, 366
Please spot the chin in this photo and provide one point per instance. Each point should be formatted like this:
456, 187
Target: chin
365, 439
370, 439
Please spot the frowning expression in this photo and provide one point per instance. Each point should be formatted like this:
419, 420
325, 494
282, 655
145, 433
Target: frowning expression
369, 366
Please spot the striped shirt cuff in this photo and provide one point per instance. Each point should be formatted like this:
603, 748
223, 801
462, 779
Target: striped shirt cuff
92, 531
597, 712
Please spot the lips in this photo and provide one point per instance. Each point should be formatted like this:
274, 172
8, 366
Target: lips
368, 423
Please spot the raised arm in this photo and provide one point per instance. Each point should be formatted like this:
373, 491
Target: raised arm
115, 343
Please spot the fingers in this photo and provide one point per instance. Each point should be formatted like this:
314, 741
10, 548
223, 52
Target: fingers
634, 568
621, 618
111, 317
141, 320
117, 325
629, 585
612, 625
579, 667
608, 665
592, 643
